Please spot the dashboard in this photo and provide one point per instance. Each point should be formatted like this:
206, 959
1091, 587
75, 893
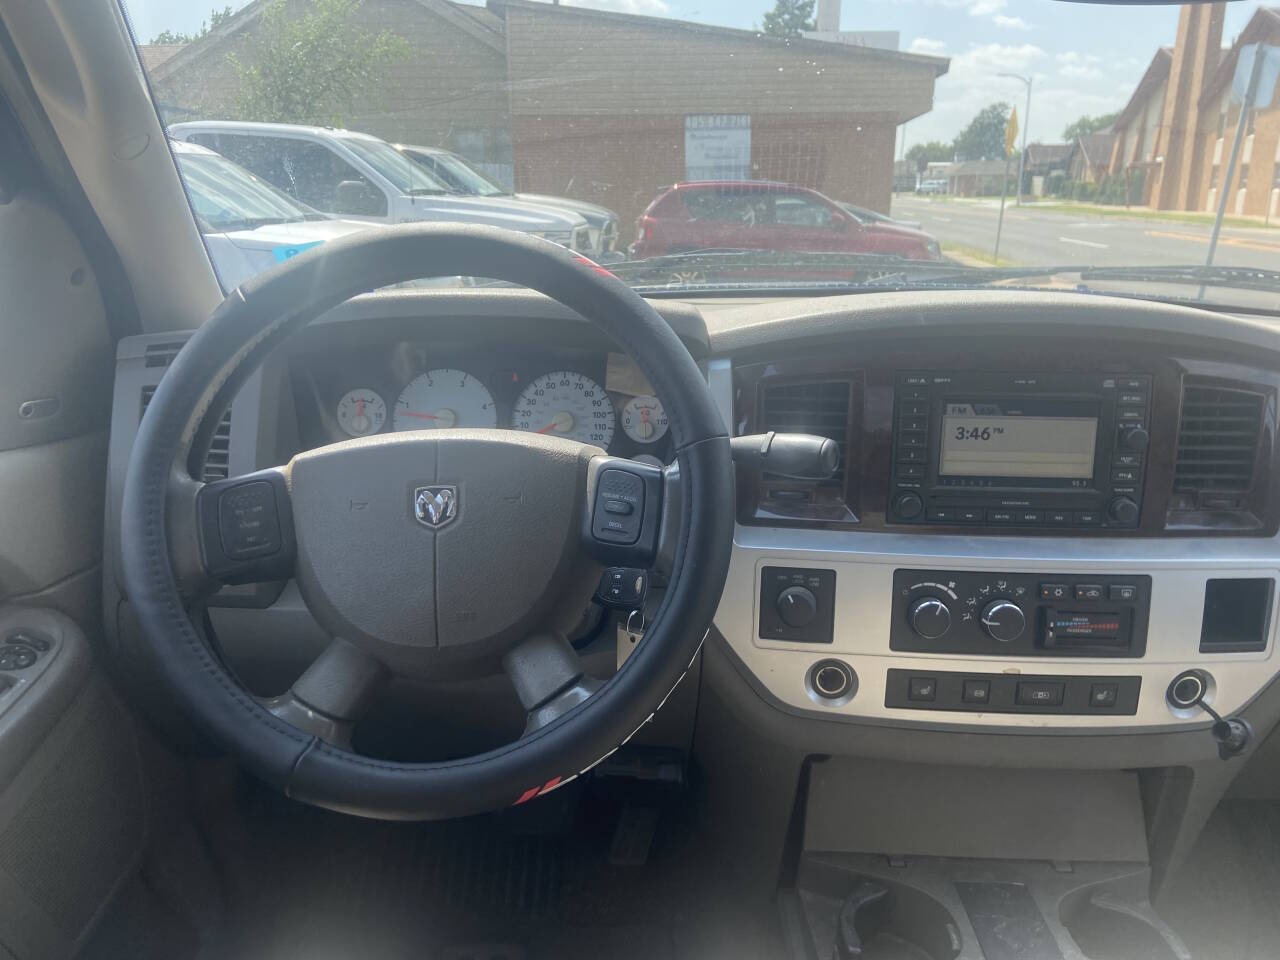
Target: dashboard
593, 396
1050, 508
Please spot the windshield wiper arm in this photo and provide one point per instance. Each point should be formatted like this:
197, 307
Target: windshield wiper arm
1241, 278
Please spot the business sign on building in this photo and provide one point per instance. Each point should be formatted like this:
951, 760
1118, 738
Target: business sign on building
717, 146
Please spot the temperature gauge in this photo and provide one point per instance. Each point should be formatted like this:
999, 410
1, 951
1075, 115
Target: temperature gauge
362, 412
644, 420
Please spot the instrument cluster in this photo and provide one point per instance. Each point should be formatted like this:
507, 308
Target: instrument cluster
590, 396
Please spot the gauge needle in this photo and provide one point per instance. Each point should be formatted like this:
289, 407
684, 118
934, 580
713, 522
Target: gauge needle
548, 428
359, 406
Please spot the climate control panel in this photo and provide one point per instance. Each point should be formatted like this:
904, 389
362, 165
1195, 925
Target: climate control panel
1019, 615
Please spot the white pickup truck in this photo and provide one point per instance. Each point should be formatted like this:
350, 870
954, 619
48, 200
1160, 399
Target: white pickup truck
357, 176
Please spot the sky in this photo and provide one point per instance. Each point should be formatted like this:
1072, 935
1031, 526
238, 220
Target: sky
1082, 58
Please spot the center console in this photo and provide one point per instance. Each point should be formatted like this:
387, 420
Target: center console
1056, 450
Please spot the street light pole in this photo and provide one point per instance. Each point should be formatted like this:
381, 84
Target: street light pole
1026, 123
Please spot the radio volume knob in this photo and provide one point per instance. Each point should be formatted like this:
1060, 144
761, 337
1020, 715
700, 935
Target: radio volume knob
908, 505
1123, 510
1135, 438
1003, 620
930, 618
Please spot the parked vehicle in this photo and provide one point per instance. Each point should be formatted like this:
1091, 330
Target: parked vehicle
458, 173
761, 215
874, 216
247, 224
932, 186
355, 175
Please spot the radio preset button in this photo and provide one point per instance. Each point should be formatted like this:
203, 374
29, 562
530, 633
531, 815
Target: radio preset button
911, 470
911, 455
914, 423
912, 440
913, 409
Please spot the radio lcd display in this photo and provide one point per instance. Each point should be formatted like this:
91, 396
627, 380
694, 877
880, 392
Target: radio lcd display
982, 440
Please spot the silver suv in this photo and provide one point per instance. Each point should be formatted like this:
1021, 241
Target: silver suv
357, 176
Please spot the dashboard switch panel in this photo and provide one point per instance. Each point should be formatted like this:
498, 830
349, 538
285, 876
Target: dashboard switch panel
797, 604
1019, 614
1012, 693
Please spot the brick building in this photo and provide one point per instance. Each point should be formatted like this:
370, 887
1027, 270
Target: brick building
609, 107
1176, 130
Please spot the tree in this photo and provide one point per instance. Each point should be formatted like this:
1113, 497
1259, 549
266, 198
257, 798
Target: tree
789, 18
923, 154
1087, 124
216, 19
311, 66
983, 138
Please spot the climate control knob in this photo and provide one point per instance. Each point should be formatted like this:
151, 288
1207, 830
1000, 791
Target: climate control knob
1003, 620
797, 606
1123, 510
930, 618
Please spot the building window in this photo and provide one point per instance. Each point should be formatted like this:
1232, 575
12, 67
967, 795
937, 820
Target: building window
1213, 177
1244, 175
1251, 122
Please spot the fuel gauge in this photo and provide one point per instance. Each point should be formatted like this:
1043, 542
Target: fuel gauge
362, 412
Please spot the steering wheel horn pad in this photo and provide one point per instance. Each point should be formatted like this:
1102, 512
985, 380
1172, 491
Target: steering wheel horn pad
474, 573
494, 561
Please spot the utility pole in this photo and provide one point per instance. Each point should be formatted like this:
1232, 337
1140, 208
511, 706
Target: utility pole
1026, 123
1250, 95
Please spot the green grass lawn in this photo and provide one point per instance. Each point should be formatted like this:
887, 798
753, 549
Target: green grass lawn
1132, 213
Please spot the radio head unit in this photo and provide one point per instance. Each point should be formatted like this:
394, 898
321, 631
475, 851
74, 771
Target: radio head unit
1017, 449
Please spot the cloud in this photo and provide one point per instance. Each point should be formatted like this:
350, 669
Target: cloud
1079, 65
982, 8
653, 8
1013, 23
927, 45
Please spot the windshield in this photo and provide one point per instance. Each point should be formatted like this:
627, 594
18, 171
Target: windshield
403, 173
227, 197
465, 177
787, 145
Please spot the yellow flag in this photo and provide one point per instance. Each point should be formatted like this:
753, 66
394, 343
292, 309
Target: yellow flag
1011, 131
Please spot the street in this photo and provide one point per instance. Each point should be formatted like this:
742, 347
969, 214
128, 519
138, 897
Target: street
1035, 235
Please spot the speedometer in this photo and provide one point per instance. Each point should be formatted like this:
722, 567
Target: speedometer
440, 399
566, 404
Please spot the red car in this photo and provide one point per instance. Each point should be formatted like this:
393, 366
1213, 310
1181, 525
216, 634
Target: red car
760, 215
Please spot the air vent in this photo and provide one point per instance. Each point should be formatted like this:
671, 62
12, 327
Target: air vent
1217, 445
817, 407
161, 354
217, 464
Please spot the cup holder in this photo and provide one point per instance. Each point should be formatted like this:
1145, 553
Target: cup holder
1108, 927
882, 920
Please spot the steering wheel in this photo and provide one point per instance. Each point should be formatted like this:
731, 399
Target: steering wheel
502, 535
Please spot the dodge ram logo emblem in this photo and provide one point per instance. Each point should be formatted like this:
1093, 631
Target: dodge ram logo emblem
435, 506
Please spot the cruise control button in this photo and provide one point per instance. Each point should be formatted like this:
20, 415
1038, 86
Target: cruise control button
1037, 693
922, 688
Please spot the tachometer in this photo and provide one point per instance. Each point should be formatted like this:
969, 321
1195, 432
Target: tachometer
644, 420
439, 399
566, 404
362, 412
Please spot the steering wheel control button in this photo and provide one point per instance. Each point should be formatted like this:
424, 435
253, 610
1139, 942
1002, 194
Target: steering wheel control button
797, 604
619, 507
247, 521
1039, 693
922, 689
15, 656
976, 691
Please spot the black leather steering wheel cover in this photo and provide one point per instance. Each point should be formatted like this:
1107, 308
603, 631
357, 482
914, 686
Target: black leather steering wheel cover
226, 349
